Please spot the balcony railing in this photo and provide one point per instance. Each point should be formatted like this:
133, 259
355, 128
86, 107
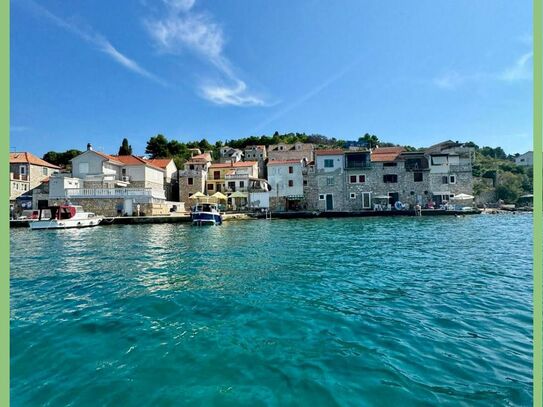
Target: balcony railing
113, 192
19, 177
358, 166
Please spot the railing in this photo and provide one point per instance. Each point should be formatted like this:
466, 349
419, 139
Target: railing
20, 177
236, 176
358, 166
113, 192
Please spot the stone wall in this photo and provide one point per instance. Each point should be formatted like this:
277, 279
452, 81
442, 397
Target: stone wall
109, 206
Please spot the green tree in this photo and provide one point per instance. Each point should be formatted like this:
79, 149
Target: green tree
125, 148
61, 159
157, 147
371, 139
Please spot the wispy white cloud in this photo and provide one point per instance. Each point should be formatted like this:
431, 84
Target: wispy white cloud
182, 29
520, 70
97, 40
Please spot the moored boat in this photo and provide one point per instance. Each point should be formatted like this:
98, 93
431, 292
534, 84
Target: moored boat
206, 214
66, 216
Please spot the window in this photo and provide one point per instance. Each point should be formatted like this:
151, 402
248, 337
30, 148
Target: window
390, 164
190, 181
290, 183
290, 170
329, 180
305, 182
357, 179
242, 184
321, 197
417, 176
390, 178
22, 169
452, 179
328, 163
216, 175
44, 170
210, 187
231, 184
353, 195
83, 168
444, 179
191, 166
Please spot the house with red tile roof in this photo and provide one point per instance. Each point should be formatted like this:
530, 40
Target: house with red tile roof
231, 177
113, 184
27, 172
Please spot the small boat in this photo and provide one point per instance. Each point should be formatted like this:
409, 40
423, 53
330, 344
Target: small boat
66, 216
205, 214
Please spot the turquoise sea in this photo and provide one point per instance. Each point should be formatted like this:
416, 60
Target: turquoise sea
328, 312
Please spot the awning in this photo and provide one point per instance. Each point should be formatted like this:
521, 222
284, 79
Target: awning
462, 197
197, 195
294, 197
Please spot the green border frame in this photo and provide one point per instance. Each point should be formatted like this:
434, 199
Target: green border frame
4, 203
538, 206
537, 215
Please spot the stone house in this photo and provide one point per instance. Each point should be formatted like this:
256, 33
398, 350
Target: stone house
259, 154
193, 177
286, 180
356, 180
526, 159
296, 151
26, 173
325, 186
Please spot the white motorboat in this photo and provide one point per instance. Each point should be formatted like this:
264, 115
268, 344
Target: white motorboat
206, 214
66, 216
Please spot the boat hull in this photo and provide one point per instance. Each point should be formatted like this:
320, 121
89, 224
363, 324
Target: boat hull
64, 223
206, 218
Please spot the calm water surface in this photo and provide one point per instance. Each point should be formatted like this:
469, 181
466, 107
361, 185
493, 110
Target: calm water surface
362, 312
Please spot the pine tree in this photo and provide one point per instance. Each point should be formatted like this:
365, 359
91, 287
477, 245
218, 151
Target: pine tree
125, 148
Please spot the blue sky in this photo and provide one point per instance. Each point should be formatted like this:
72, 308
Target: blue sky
411, 72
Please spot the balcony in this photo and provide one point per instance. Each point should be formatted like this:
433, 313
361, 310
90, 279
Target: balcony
358, 165
18, 177
113, 193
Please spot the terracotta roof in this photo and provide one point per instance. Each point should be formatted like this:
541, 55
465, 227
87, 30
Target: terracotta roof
282, 162
107, 157
334, 151
238, 164
201, 157
29, 158
159, 162
386, 153
134, 160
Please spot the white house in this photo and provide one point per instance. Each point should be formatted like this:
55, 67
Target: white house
287, 183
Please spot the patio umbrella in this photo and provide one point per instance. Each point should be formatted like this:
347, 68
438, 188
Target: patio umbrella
219, 196
462, 197
527, 196
238, 194
197, 195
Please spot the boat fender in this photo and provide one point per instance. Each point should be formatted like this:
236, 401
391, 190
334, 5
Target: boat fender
398, 205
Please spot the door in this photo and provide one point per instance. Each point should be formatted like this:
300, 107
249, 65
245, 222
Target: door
329, 202
366, 200
127, 207
393, 197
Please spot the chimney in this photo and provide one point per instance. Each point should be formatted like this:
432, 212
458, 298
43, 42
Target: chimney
89, 147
